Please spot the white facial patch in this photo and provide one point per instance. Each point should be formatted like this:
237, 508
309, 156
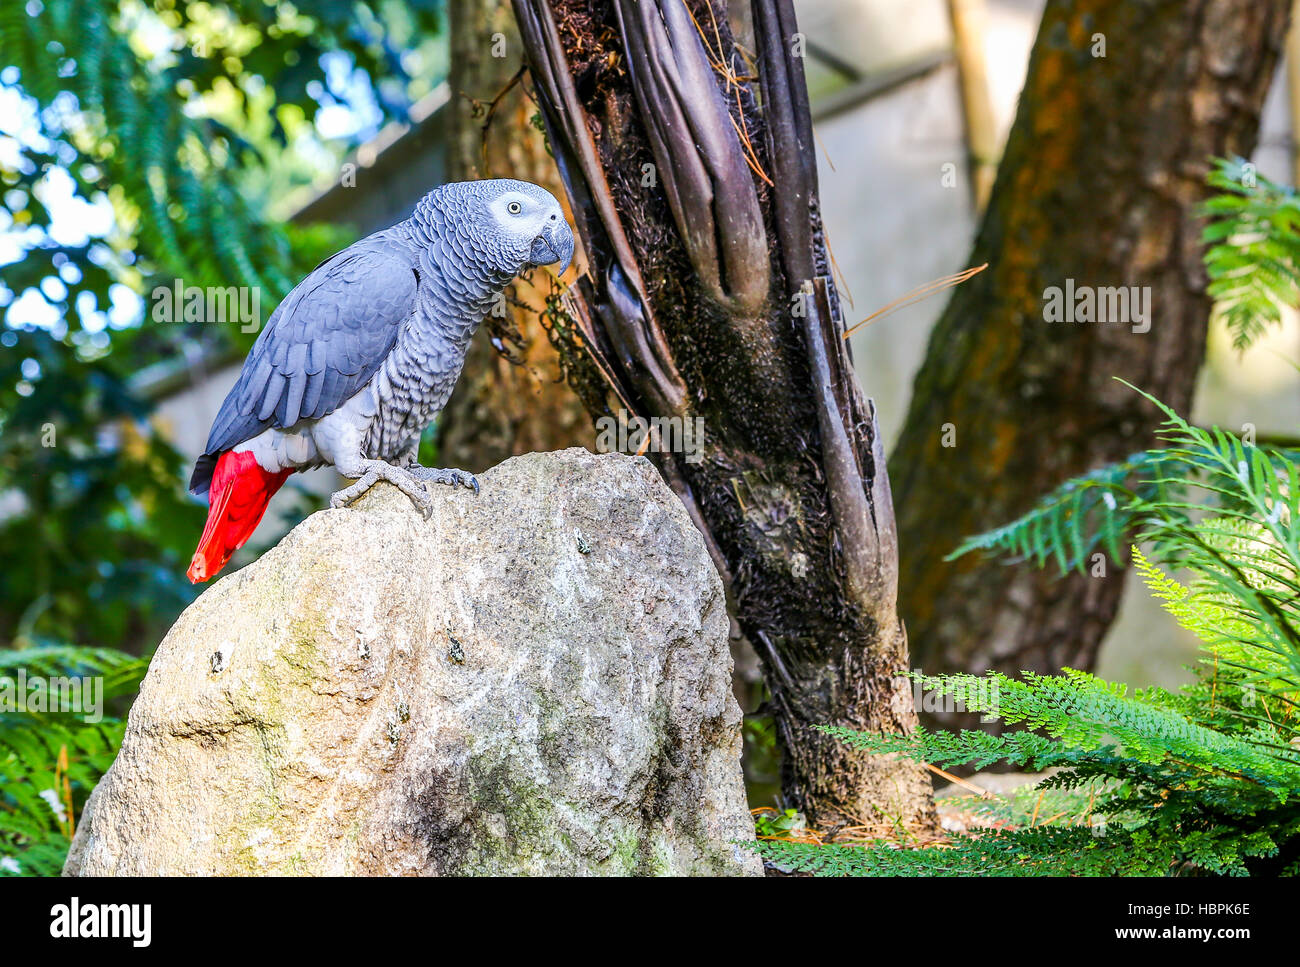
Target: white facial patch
516, 213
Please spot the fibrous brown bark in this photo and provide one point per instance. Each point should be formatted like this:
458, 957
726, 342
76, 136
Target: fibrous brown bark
1100, 183
708, 296
512, 398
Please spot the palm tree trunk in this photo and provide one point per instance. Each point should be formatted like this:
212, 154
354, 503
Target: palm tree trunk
708, 296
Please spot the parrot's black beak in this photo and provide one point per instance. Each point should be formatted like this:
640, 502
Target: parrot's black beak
553, 245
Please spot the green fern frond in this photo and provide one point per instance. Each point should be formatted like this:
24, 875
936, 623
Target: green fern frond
1213, 625
1037, 851
1206, 779
51, 760
1094, 511
1253, 249
1248, 552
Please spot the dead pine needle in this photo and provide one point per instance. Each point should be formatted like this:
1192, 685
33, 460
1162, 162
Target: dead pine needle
959, 781
916, 295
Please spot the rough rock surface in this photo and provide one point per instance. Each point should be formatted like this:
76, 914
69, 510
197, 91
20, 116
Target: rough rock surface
533, 681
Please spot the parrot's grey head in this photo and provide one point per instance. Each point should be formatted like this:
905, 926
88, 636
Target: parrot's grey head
512, 224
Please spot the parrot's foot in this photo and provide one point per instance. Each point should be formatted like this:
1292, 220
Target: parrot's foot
448, 476
374, 471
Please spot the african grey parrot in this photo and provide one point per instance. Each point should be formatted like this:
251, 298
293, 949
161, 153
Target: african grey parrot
363, 354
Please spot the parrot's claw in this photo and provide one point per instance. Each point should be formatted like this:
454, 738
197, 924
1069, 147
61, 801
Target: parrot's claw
376, 470
449, 476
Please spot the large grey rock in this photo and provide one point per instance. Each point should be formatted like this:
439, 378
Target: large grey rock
536, 680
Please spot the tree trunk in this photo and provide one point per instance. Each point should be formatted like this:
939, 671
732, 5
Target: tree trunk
1099, 184
512, 398
708, 297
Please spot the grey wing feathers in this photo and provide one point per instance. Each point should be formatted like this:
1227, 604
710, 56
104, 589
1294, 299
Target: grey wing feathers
320, 347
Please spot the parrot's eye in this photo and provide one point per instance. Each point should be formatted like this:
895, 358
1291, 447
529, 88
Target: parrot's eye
514, 208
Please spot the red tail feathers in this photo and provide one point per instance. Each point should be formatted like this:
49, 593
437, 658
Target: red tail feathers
237, 499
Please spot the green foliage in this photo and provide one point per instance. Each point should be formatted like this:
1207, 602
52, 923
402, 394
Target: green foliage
191, 121
1246, 549
1036, 851
1246, 553
50, 760
772, 822
175, 114
1253, 249
148, 125
1097, 511
135, 140
1154, 783
100, 542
